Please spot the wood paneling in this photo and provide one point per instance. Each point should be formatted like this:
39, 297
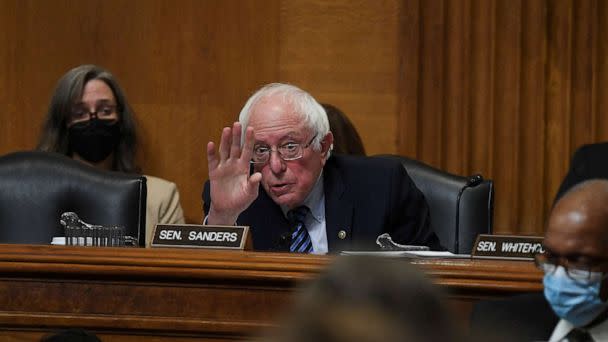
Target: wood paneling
186, 67
529, 79
137, 294
507, 88
532, 197
346, 53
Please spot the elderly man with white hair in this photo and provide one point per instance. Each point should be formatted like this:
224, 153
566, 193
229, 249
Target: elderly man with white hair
310, 201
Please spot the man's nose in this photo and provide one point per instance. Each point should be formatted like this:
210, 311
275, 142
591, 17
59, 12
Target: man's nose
276, 163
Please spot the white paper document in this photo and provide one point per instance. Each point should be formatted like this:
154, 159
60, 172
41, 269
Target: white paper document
409, 254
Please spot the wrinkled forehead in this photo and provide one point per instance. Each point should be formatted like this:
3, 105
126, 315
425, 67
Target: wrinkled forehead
280, 131
273, 113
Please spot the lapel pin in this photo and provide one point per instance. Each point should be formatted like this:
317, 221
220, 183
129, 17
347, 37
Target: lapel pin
342, 235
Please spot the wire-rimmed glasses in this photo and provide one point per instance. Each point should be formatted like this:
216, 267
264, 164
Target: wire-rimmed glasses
287, 151
579, 271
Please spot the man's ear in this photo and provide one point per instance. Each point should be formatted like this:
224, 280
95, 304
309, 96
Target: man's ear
327, 144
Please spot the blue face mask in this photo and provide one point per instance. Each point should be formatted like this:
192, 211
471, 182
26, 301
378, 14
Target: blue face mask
576, 301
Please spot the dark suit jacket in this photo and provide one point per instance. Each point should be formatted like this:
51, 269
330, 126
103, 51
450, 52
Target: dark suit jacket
530, 316
364, 197
525, 317
589, 161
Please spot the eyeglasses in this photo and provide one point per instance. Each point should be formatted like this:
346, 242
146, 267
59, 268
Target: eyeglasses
287, 151
103, 112
576, 270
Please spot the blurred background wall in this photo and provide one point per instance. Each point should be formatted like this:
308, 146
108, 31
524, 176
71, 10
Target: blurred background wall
507, 88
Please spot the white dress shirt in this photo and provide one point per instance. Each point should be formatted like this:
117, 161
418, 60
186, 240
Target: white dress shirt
315, 219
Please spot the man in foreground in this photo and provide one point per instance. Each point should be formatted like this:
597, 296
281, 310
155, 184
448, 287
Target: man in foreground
576, 263
309, 201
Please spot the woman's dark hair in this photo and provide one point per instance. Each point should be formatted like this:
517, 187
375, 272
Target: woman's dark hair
54, 137
346, 138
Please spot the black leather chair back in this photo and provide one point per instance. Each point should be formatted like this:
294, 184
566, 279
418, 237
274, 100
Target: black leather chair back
37, 187
461, 207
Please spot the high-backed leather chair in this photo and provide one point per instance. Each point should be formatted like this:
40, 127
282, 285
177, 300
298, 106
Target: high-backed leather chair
37, 187
461, 207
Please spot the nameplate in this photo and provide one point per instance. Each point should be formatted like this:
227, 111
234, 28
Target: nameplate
507, 247
199, 236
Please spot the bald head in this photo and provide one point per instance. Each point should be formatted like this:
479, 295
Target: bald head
578, 224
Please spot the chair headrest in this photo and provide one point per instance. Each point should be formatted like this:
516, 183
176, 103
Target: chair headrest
37, 187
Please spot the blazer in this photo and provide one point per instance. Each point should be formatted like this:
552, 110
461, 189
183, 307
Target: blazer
589, 162
523, 317
364, 197
162, 205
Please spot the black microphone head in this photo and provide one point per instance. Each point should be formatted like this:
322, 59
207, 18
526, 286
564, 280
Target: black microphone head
474, 180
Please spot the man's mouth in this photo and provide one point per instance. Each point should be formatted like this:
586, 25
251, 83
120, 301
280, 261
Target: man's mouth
279, 189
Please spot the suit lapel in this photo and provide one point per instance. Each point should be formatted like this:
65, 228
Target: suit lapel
338, 208
270, 229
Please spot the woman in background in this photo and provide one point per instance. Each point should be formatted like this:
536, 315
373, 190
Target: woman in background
90, 120
346, 137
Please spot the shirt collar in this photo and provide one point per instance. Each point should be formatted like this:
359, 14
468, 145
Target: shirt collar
599, 332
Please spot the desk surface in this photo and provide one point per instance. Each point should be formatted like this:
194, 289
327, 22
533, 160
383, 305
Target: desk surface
173, 294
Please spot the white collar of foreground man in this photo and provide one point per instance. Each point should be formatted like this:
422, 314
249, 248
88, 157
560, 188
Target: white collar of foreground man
599, 332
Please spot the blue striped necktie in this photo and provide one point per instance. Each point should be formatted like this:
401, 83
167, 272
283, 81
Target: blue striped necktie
300, 240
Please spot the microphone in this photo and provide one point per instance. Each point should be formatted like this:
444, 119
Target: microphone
78, 232
474, 180
386, 243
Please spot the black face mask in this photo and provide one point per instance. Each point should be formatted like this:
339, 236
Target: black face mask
94, 140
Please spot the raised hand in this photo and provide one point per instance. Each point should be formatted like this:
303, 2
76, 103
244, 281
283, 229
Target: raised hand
232, 188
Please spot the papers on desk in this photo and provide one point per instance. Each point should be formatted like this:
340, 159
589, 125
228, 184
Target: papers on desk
439, 254
409, 254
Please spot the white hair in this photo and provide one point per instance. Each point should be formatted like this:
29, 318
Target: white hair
312, 113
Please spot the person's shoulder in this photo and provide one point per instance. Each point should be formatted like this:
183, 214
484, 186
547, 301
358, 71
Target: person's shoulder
163, 205
363, 163
592, 150
365, 173
588, 161
159, 185
591, 159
